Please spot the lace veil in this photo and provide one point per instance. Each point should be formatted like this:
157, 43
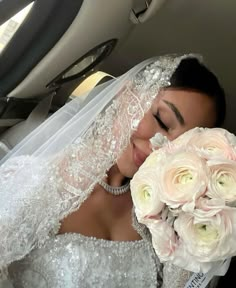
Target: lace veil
53, 170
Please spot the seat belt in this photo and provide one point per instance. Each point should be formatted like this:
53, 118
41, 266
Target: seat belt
21, 128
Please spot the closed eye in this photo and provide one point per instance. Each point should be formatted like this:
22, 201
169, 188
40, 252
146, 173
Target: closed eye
162, 125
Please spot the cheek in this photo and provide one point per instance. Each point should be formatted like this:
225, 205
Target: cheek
176, 133
125, 163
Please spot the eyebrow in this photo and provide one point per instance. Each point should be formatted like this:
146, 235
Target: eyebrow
176, 112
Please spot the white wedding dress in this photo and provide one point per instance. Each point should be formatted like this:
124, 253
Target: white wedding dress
70, 260
76, 261
37, 192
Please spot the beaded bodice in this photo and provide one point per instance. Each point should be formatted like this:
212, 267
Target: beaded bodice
76, 261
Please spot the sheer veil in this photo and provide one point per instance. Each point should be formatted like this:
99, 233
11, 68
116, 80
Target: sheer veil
135, 90
54, 169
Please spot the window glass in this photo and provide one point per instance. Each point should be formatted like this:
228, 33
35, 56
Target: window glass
8, 29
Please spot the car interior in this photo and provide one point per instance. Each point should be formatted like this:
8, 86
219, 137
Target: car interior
52, 51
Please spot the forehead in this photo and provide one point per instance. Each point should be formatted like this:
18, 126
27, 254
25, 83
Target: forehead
197, 109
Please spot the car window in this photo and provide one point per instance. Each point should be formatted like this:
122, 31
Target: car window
90, 82
8, 29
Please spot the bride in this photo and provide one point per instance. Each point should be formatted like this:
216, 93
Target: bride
66, 217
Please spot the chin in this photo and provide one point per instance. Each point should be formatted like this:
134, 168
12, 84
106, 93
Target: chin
126, 163
130, 175
125, 169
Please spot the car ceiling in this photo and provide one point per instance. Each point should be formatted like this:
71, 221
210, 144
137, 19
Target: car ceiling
179, 26
206, 27
93, 25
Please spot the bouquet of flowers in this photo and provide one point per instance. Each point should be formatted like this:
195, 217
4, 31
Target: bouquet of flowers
185, 193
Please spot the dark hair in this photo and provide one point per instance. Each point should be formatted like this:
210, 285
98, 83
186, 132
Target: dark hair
191, 74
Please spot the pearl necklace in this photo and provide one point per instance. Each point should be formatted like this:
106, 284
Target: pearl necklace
115, 190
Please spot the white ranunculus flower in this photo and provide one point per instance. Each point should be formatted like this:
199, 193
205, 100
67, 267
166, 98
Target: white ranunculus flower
154, 160
183, 259
208, 239
183, 178
164, 239
145, 196
184, 138
222, 182
206, 207
215, 142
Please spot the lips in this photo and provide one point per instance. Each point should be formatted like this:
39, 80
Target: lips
138, 156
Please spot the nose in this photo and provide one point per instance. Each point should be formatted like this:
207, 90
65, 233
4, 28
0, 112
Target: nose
148, 148
145, 146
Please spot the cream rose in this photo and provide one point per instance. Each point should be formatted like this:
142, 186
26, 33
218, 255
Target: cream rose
215, 142
164, 239
183, 178
145, 196
222, 182
208, 238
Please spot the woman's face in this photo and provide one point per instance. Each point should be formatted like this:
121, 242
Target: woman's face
172, 113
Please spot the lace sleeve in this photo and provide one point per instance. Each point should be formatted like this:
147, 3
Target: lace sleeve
28, 200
